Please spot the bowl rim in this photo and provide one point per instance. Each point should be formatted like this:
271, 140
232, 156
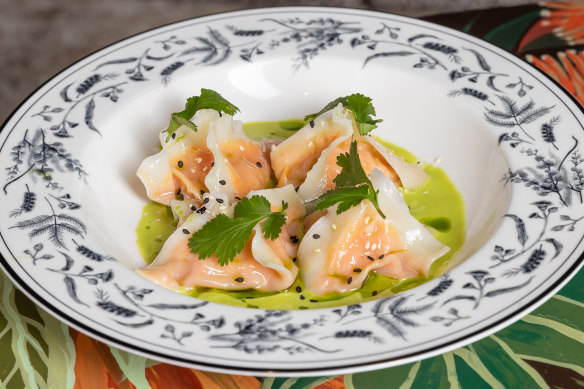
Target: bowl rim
438, 349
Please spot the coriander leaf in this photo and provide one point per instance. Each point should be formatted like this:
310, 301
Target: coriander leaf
361, 107
352, 172
209, 99
225, 237
222, 237
351, 185
178, 121
346, 198
253, 207
326, 108
272, 225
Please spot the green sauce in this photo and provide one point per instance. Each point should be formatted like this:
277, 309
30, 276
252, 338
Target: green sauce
154, 227
437, 204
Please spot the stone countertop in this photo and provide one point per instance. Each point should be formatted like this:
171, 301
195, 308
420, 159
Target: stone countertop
40, 38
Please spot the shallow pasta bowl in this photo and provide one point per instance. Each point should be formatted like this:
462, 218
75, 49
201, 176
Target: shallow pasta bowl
509, 138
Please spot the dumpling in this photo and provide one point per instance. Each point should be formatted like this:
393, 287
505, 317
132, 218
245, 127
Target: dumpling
338, 252
313, 168
295, 156
240, 164
178, 171
217, 157
263, 264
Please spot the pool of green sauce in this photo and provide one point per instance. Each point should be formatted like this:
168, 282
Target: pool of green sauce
437, 204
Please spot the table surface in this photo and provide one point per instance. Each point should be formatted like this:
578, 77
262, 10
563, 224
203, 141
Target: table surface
543, 349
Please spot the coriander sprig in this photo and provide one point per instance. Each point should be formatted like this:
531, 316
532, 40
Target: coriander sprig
361, 107
225, 237
351, 185
209, 99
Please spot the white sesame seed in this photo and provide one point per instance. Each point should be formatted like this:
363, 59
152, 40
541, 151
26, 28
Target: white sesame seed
241, 147
204, 169
317, 251
222, 208
193, 171
367, 245
334, 227
367, 220
374, 246
198, 160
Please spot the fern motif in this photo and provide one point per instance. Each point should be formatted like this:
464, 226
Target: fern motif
513, 115
216, 48
391, 314
27, 205
547, 131
43, 158
53, 225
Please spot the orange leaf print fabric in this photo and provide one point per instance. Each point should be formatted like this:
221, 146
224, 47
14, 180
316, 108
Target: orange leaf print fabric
96, 368
567, 69
566, 19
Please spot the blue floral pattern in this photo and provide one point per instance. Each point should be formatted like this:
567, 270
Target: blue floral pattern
43, 168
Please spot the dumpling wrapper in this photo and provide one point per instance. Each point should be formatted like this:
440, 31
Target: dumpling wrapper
308, 159
162, 175
217, 157
263, 265
339, 251
240, 164
296, 155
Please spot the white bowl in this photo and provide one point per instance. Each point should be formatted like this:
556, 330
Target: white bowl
445, 96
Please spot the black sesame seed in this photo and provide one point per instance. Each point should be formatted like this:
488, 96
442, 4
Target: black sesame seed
350, 280
212, 164
202, 192
237, 198
202, 210
302, 297
294, 259
296, 189
381, 256
239, 279
298, 289
173, 135
180, 196
370, 258
313, 301
357, 270
193, 208
316, 236
259, 164
206, 200
220, 114
220, 201
185, 231
180, 164
312, 124
374, 293
222, 182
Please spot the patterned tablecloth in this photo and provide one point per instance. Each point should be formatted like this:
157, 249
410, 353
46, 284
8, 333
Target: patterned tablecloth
543, 349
